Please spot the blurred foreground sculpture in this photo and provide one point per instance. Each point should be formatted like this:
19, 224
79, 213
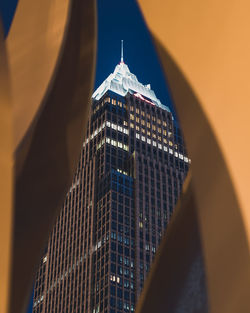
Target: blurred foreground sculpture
50, 68
46, 74
205, 55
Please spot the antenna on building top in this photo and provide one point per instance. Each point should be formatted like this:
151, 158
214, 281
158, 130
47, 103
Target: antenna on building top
122, 51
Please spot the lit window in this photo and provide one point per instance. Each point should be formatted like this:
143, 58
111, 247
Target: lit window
131, 125
112, 278
106, 100
132, 117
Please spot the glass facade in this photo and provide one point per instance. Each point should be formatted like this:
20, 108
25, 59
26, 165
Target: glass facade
130, 174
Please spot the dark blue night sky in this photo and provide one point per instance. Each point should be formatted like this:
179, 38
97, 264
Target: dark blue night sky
117, 20
121, 19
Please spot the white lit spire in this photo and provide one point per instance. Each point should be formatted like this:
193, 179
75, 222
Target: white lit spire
122, 81
122, 51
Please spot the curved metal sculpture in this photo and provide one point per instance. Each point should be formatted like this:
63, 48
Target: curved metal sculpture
46, 66
6, 182
50, 64
204, 53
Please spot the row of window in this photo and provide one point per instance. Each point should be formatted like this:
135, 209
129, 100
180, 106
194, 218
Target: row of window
149, 122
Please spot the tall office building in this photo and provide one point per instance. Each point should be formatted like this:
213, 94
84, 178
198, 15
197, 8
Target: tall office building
131, 170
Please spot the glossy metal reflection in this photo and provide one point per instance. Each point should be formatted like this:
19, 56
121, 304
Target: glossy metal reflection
205, 56
6, 182
51, 59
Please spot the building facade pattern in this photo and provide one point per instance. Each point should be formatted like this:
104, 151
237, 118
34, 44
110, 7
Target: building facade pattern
130, 174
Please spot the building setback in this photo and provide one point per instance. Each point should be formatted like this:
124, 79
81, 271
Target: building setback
130, 174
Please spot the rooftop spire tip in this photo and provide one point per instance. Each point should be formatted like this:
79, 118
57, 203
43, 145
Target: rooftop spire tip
122, 51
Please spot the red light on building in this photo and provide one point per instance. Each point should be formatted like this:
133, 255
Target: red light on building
138, 95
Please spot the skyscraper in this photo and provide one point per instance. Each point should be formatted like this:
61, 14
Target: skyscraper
131, 170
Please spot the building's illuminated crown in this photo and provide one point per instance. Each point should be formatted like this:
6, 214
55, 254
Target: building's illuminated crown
122, 81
